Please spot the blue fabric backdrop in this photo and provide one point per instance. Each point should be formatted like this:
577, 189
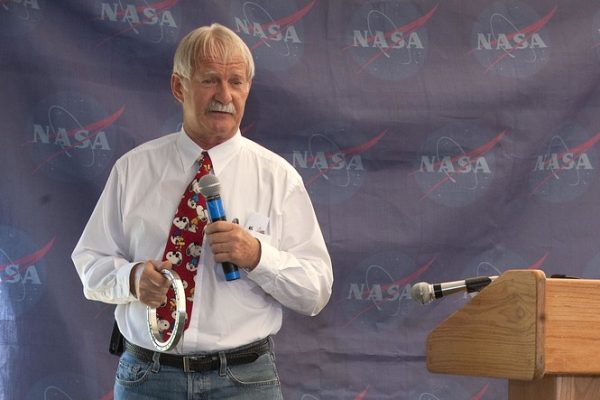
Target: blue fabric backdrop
438, 140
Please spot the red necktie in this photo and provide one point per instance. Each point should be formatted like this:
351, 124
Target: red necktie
184, 245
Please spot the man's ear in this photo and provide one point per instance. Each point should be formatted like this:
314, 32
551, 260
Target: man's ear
177, 87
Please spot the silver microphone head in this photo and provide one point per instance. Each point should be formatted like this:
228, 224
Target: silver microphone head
422, 292
209, 185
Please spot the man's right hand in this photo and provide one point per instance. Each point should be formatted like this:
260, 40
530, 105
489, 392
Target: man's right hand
148, 284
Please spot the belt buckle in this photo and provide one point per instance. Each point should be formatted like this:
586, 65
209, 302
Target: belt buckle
186, 363
206, 366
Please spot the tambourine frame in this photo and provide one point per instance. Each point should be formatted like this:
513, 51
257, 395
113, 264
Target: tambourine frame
180, 313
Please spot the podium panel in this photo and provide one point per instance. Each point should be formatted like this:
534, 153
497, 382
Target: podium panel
496, 334
552, 387
572, 319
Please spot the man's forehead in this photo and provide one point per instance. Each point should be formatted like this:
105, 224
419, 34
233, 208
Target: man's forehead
208, 65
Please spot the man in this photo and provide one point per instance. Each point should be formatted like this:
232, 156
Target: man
277, 244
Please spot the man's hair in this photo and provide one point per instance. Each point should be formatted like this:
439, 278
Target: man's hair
214, 42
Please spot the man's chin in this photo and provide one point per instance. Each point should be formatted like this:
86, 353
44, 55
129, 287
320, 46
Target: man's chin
224, 133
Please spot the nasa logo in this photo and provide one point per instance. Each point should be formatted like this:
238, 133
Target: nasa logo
70, 137
439, 389
19, 17
495, 261
273, 30
22, 271
332, 172
358, 396
510, 39
565, 167
66, 385
457, 163
384, 292
388, 39
135, 22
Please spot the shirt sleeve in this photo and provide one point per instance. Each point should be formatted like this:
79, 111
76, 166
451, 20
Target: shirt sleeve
296, 269
100, 255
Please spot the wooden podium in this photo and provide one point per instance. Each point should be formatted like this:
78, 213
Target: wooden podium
543, 335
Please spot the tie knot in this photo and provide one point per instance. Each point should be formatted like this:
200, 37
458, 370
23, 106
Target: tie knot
204, 162
202, 156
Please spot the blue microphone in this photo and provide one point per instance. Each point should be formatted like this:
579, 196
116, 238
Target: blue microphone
210, 188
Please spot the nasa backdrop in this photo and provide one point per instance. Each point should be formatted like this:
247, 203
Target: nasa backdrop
438, 140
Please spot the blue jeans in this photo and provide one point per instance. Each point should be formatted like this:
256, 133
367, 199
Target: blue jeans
139, 380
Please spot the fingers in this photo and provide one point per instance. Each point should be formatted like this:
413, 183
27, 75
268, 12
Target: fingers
153, 285
222, 237
229, 242
219, 227
160, 265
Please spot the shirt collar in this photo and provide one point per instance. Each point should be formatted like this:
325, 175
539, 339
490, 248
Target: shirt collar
220, 155
188, 150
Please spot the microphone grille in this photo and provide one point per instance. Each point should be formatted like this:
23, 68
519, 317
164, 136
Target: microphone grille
422, 292
209, 185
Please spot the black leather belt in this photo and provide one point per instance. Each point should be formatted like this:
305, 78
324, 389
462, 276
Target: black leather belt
203, 362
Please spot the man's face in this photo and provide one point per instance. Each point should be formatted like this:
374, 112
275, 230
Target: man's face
213, 100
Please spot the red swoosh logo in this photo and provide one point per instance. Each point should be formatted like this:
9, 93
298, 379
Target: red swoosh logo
402, 281
108, 396
244, 129
479, 395
349, 151
94, 128
404, 29
577, 150
478, 152
362, 395
284, 22
30, 259
539, 263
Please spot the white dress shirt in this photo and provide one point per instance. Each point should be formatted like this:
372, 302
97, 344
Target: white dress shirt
131, 222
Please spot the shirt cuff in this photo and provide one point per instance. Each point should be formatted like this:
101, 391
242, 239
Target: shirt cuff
123, 290
268, 266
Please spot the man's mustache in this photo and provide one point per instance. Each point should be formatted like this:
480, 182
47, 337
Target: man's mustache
219, 107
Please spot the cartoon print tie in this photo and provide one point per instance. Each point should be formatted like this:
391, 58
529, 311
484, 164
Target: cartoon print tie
184, 245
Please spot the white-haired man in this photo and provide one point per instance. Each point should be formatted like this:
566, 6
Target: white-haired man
226, 352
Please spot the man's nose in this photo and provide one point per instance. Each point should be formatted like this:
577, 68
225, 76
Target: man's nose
223, 93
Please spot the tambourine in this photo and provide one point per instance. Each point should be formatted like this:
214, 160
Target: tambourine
180, 312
